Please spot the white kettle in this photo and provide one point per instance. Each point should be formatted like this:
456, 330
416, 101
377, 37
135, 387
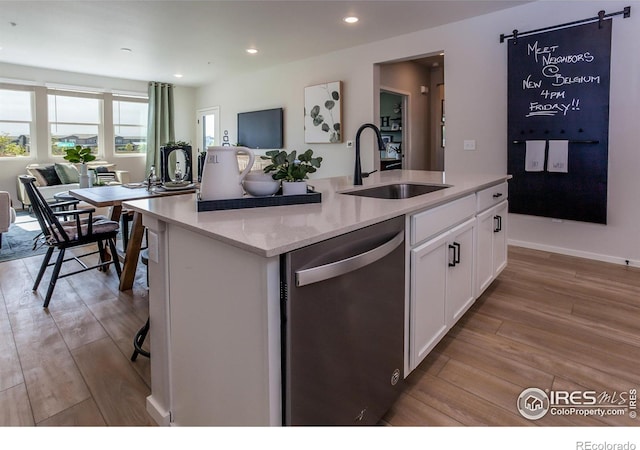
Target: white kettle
221, 176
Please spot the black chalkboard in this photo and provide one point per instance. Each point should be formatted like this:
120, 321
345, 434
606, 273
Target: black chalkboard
559, 90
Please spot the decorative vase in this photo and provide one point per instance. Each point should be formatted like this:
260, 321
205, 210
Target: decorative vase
221, 176
294, 187
84, 176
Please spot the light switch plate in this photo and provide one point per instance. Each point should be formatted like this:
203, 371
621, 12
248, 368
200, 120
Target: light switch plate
470, 144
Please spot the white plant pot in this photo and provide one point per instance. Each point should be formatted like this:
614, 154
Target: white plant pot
294, 187
84, 176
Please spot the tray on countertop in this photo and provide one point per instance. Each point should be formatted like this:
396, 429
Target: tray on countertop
167, 187
259, 202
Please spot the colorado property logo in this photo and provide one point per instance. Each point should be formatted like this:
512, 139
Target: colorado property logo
533, 403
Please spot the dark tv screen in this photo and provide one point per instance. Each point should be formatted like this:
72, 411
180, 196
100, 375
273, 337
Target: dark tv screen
261, 129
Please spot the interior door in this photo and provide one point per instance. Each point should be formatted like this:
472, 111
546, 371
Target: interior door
207, 133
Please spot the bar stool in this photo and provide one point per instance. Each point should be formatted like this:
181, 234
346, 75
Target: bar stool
140, 336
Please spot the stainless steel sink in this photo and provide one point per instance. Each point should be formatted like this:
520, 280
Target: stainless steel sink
398, 191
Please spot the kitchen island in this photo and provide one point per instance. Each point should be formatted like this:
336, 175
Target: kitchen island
214, 282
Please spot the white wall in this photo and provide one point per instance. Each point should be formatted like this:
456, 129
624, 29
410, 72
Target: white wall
184, 99
476, 96
283, 86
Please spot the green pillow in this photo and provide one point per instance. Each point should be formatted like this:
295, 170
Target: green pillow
68, 173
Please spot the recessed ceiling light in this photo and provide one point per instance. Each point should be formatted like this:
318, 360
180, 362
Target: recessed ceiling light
178, 75
351, 19
126, 49
252, 51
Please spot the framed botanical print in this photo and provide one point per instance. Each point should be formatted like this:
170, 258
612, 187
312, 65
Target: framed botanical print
323, 113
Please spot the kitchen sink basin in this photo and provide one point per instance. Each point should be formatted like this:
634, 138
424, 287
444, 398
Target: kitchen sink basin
398, 191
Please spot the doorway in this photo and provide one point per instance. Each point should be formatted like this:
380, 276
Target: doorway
393, 105
418, 86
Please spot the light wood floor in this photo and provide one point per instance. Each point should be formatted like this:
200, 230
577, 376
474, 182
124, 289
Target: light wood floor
69, 365
549, 321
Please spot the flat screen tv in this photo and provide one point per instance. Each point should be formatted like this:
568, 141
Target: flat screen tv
261, 129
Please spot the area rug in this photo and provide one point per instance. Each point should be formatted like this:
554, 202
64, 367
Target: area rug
18, 241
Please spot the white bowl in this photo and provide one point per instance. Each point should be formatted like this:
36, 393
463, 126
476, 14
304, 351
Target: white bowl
259, 175
261, 188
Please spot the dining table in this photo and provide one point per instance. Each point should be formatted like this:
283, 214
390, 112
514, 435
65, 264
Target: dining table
112, 196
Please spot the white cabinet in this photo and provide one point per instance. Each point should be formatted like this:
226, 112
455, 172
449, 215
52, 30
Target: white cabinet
460, 271
492, 237
442, 286
428, 290
456, 251
441, 274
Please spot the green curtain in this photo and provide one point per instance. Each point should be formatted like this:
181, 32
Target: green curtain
160, 129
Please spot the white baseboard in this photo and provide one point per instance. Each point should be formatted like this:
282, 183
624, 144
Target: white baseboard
576, 253
160, 415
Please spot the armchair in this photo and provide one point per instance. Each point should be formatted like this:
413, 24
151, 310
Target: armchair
7, 213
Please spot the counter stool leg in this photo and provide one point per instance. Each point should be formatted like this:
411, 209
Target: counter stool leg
140, 336
138, 340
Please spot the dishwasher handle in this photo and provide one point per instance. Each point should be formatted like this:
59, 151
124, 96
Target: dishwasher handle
335, 269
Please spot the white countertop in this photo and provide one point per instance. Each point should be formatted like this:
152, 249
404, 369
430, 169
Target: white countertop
271, 231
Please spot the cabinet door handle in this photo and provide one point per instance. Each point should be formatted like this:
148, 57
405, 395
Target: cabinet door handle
498, 227
456, 254
497, 195
452, 247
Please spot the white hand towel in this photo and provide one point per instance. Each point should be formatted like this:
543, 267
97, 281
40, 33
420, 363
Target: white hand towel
534, 156
558, 156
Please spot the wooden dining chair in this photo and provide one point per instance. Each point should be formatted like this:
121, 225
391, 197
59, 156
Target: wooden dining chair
77, 228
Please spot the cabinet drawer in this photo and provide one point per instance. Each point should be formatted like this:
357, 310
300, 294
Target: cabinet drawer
492, 196
432, 221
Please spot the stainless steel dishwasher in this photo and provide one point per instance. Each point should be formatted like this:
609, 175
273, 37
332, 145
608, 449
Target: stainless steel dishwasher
343, 327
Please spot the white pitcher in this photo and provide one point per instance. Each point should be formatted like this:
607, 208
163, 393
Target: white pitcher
221, 176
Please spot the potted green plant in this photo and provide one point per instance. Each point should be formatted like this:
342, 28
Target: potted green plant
292, 169
80, 155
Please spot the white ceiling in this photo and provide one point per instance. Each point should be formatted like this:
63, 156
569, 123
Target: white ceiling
204, 40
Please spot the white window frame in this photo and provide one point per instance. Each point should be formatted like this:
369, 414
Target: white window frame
40, 128
100, 142
32, 123
132, 98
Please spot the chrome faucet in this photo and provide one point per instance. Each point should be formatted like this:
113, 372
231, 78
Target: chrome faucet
357, 175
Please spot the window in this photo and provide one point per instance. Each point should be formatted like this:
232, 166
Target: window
130, 124
75, 118
16, 122
108, 123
